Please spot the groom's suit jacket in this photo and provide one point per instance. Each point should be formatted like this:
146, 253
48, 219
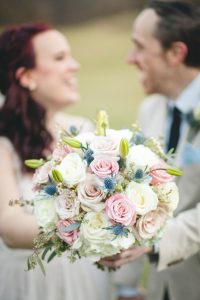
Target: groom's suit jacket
183, 234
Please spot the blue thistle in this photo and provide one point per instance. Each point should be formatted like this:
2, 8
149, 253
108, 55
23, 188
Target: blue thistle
50, 189
118, 230
88, 156
138, 138
73, 130
109, 183
140, 176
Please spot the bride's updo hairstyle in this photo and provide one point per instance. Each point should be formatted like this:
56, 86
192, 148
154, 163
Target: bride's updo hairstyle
22, 120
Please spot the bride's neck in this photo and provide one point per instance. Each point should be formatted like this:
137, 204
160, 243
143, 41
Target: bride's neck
50, 121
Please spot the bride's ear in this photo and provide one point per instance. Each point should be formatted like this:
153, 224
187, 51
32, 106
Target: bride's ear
24, 76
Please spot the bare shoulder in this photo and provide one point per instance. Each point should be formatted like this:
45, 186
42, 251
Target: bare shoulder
7, 156
67, 120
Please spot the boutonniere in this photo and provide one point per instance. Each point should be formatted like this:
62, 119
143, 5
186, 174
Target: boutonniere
193, 118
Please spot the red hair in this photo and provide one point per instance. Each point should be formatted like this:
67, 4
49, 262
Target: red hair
22, 120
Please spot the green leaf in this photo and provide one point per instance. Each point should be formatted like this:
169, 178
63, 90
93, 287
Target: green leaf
174, 171
28, 264
71, 227
57, 176
45, 251
34, 163
40, 265
51, 256
72, 142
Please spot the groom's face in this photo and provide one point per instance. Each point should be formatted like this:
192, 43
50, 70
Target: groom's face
148, 54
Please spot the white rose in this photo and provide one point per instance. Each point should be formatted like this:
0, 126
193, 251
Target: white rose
141, 156
104, 145
117, 135
142, 196
168, 193
72, 169
45, 213
94, 240
123, 242
85, 138
91, 194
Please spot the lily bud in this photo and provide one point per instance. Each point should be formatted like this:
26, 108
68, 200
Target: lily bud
124, 147
72, 142
34, 163
102, 122
174, 171
57, 176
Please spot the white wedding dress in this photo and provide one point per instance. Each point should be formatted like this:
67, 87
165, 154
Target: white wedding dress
63, 281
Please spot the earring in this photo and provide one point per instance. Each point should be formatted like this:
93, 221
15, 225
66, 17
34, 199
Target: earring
32, 87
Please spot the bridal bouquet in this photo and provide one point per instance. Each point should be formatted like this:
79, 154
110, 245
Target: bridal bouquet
100, 193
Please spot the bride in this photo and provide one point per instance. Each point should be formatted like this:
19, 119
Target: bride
38, 79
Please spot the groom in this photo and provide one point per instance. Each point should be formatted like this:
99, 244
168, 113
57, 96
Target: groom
166, 38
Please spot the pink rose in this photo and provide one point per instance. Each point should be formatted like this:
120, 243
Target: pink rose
104, 166
148, 225
159, 174
60, 152
120, 209
69, 237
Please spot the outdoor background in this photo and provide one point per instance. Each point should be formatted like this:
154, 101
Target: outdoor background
100, 36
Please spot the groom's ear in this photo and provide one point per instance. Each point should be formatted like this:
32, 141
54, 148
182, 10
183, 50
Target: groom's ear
24, 76
177, 53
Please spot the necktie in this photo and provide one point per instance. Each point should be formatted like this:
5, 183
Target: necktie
174, 130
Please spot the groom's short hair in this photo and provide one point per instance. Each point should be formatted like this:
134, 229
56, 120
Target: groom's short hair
179, 21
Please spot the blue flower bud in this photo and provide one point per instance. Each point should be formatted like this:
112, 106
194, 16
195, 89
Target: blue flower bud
139, 174
109, 183
50, 189
73, 130
138, 138
88, 156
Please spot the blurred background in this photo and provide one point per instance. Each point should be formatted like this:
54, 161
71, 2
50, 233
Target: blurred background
100, 36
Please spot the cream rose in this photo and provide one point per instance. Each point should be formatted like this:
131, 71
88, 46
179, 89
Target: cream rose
150, 224
90, 194
103, 145
142, 157
168, 193
66, 205
45, 213
72, 169
142, 196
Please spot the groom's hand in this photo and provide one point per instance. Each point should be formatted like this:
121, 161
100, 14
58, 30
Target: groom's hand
124, 257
